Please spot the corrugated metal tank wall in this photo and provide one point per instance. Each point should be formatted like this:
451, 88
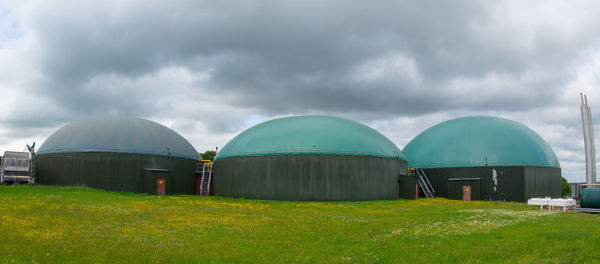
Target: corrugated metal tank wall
114, 171
309, 177
542, 182
455, 188
407, 185
512, 183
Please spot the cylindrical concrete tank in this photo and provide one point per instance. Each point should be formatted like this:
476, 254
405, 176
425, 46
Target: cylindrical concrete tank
503, 159
119, 154
590, 198
310, 158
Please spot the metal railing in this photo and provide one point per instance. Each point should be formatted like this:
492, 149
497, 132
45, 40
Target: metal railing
425, 184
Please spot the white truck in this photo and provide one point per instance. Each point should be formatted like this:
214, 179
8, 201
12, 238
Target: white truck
15, 167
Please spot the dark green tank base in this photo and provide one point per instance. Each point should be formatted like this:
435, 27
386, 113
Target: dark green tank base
116, 171
407, 186
152, 177
309, 177
455, 187
500, 183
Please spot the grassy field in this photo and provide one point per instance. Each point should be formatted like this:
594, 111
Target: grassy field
40, 224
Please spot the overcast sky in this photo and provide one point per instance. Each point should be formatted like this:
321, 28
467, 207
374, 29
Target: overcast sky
210, 69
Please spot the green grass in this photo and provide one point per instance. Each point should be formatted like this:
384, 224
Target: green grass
40, 224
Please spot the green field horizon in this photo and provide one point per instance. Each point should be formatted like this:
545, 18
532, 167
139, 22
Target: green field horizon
49, 224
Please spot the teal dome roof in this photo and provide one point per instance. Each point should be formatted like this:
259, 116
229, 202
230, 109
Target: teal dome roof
321, 135
468, 141
118, 134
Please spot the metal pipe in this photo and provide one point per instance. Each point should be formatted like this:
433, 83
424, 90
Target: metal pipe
169, 151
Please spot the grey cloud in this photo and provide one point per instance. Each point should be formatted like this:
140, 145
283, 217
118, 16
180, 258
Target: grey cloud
371, 61
284, 57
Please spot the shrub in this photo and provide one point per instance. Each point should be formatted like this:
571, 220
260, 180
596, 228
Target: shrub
566, 187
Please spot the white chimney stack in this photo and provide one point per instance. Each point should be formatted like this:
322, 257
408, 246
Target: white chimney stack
588, 136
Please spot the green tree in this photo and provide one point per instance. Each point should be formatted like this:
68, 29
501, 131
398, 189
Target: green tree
209, 155
566, 187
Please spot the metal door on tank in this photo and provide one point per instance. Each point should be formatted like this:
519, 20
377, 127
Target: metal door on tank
160, 186
456, 188
466, 193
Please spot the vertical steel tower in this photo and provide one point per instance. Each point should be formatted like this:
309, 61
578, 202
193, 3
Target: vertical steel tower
588, 135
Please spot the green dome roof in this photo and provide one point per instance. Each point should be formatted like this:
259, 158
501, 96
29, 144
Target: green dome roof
468, 141
321, 135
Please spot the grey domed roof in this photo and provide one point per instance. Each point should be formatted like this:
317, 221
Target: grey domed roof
121, 135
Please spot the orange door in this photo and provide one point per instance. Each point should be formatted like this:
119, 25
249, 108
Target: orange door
466, 193
160, 186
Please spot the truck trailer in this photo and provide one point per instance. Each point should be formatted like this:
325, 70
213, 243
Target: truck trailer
15, 167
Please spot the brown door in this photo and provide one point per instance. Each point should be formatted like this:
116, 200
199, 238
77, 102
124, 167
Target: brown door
417, 191
466, 193
160, 186
198, 183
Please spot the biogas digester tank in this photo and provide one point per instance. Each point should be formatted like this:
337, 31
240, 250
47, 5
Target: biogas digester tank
115, 153
499, 159
309, 158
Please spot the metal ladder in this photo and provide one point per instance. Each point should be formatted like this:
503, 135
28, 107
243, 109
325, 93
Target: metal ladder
425, 184
207, 172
